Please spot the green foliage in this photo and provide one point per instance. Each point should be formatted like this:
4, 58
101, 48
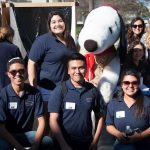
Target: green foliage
78, 29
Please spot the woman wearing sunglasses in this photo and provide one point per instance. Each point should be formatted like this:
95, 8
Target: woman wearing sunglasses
128, 116
135, 30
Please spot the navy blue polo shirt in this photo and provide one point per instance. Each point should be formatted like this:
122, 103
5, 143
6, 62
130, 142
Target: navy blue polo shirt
17, 113
7, 52
120, 115
75, 109
51, 56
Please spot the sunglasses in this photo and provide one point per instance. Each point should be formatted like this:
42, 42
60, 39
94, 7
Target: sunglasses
133, 83
135, 26
14, 72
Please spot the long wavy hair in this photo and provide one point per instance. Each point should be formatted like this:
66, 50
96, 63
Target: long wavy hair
67, 37
139, 97
130, 33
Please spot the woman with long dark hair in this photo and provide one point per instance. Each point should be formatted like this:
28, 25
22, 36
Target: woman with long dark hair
48, 56
128, 116
136, 30
136, 59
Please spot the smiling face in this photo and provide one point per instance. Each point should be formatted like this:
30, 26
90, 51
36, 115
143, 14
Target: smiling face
138, 52
57, 25
130, 85
137, 27
76, 70
17, 74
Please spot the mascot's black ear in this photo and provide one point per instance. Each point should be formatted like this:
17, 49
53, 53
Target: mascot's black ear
122, 47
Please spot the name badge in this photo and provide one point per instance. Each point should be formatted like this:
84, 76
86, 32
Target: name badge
12, 105
70, 105
120, 114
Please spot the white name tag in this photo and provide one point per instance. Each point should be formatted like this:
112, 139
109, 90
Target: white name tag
70, 105
120, 114
12, 105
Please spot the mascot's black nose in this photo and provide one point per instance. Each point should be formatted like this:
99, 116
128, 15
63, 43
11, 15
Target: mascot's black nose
90, 45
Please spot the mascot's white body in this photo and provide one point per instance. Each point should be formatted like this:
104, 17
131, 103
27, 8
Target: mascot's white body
103, 27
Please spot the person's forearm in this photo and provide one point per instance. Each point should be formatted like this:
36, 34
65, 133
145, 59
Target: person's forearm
40, 130
32, 73
112, 130
145, 133
98, 131
56, 131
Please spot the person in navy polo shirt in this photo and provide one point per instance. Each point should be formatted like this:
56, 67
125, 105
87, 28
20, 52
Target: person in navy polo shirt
128, 116
19, 104
70, 111
48, 57
7, 51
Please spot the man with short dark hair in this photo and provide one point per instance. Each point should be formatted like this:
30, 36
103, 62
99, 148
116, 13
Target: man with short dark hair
19, 104
70, 111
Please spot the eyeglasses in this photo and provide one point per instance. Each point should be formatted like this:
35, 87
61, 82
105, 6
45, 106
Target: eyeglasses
133, 83
138, 25
14, 72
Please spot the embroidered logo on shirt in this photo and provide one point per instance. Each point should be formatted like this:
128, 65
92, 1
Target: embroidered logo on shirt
12, 105
89, 99
70, 105
28, 103
120, 114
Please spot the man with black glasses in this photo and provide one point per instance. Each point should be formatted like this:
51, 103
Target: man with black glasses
19, 104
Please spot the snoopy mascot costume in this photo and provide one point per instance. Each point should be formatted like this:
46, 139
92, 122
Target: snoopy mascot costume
103, 28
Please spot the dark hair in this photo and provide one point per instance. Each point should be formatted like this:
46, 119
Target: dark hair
131, 72
6, 33
130, 33
77, 56
67, 37
53, 13
131, 47
15, 60
139, 97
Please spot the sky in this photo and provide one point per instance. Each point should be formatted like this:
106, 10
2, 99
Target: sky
146, 3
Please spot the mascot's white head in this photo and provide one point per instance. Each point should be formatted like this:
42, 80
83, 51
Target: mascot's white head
102, 28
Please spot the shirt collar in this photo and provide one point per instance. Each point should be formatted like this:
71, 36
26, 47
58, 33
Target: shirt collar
54, 37
71, 86
12, 92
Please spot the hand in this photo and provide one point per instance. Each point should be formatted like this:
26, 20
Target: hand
135, 137
93, 146
121, 136
34, 83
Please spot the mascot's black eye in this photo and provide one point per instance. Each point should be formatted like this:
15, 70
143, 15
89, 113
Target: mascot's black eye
110, 30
